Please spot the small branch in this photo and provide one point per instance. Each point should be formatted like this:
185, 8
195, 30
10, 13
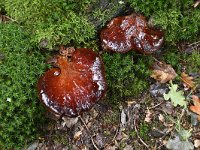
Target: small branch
156, 59
95, 146
115, 135
8, 18
156, 105
139, 136
194, 43
182, 113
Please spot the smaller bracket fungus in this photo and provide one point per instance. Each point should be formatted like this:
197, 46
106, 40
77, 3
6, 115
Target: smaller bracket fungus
75, 84
131, 32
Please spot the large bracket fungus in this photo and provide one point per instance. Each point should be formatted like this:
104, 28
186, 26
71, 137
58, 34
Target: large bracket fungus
131, 32
75, 84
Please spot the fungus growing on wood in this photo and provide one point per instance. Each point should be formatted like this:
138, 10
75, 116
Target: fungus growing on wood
131, 32
75, 84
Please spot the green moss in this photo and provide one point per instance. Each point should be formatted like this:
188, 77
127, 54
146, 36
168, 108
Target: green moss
104, 11
20, 112
113, 117
173, 57
179, 59
61, 138
133, 134
126, 75
193, 61
144, 130
52, 22
178, 18
76, 23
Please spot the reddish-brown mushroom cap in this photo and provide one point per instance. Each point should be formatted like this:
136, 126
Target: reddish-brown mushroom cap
131, 32
75, 85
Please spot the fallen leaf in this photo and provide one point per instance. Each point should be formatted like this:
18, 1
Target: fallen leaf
161, 118
69, 122
34, 146
130, 103
164, 142
187, 80
196, 107
95, 114
178, 144
125, 136
77, 135
156, 133
167, 108
128, 147
148, 116
197, 143
177, 97
184, 134
163, 72
109, 147
158, 89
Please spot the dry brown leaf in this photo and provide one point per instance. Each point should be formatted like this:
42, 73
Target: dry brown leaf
77, 135
161, 118
148, 116
188, 80
163, 72
197, 143
130, 103
109, 147
69, 122
196, 107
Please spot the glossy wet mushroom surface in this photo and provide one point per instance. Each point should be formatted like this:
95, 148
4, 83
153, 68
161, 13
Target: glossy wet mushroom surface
125, 33
75, 84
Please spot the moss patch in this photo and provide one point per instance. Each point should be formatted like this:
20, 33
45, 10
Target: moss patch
20, 112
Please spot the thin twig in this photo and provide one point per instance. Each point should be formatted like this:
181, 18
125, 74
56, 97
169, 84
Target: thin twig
182, 113
115, 135
8, 18
147, 146
156, 105
95, 146
194, 43
156, 59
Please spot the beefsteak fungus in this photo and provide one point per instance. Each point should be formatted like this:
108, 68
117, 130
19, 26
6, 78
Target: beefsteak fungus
131, 32
75, 84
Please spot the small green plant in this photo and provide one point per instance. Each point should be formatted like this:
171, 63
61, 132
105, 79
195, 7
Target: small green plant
143, 130
21, 114
133, 134
181, 140
177, 97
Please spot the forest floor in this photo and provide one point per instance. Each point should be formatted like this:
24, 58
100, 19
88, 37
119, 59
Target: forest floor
164, 116
149, 121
